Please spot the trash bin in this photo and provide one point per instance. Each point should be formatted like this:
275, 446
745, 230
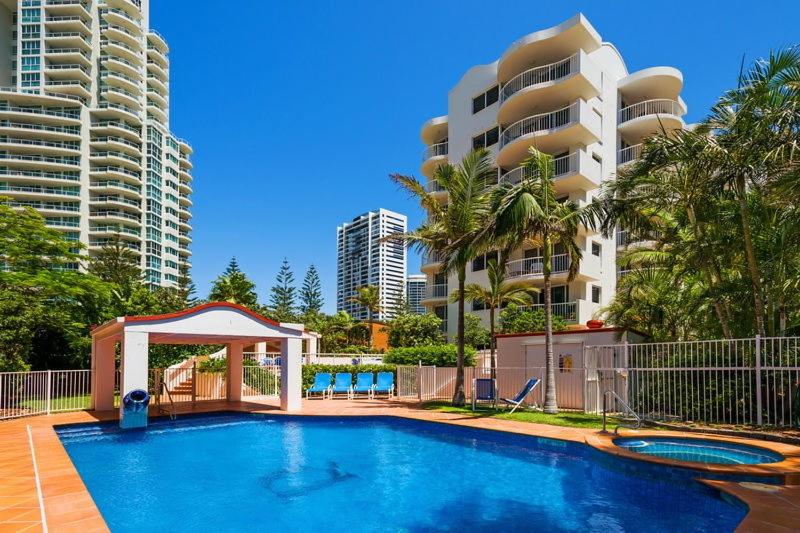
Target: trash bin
134, 409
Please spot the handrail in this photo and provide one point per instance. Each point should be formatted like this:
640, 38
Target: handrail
435, 150
541, 122
626, 406
541, 74
662, 106
162, 386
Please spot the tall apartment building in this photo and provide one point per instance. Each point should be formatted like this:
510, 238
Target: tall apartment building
363, 258
84, 128
568, 93
415, 292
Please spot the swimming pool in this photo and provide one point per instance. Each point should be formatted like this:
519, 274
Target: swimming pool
699, 450
240, 472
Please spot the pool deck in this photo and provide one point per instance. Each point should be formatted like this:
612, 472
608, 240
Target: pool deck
39, 484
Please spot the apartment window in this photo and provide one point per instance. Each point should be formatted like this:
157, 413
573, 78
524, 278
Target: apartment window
487, 138
31, 31
30, 80
595, 294
596, 248
486, 99
31, 15
30, 48
30, 63
482, 262
559, 294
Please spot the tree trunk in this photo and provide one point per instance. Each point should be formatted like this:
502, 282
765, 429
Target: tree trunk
492, 344
369, 329
712, 275
459, 398
752, 263
550, 402
781, 319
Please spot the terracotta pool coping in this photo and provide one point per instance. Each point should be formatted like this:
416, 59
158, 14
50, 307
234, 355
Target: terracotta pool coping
68, 506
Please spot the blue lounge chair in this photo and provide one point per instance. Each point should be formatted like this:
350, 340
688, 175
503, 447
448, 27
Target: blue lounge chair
322, 385
484, 390
517, 400
343, 384
385, 384
365, 383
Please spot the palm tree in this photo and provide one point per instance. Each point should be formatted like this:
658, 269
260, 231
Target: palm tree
755, 143
496, 295
453, 228
529, 212
368, 297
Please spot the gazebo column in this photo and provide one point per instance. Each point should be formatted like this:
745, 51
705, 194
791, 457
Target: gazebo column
135, 346
234, 369
291, 373
312, 349
103, 374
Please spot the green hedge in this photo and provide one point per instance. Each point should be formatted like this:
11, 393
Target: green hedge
309, 371
441, 355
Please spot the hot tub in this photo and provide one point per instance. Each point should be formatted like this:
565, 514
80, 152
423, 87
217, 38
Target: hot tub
699, 450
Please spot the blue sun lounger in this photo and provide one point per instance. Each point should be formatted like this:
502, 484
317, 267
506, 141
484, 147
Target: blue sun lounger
484, 390
343, 384
322, 385
517, 400
385, 384
365, 383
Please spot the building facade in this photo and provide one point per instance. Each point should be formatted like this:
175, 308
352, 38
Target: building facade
84, 128
364, 258
568, 93
415, 292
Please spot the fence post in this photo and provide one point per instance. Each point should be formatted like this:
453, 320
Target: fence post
194, 381
49, 389
759, 419
419, 382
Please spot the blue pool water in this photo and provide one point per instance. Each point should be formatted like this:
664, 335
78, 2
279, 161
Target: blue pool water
238, 472
699, 450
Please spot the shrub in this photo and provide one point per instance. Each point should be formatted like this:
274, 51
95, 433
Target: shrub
474, 332
309, 371
221, 364
517, 320
441, 355
415, 330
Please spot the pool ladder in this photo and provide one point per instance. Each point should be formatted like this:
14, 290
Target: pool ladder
162, 386
635, 425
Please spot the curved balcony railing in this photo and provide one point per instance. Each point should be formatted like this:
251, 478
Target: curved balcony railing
435, 150
631, 153
650, 107
566, 310
436, 291
534, 266
432, 257
537, 75
562, 166
543, 122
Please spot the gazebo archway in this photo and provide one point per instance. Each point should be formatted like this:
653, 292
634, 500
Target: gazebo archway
225, 323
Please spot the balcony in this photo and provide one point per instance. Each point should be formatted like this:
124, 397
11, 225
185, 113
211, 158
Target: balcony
643, 119
435, 294
432, 156
548, 45
532, 267
432, 262
577, 170
434, 130
629, 154
570, 79
549, 132
566, 310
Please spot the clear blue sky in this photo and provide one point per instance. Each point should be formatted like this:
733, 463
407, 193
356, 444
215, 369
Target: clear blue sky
298, 111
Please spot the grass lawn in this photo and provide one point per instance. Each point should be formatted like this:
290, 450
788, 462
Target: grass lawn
571, 419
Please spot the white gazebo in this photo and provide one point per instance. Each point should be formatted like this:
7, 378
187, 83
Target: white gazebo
225, 323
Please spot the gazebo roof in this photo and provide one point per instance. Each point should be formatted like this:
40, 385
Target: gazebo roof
210, 323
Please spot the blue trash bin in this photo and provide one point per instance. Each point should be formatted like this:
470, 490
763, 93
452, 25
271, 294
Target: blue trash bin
134, 409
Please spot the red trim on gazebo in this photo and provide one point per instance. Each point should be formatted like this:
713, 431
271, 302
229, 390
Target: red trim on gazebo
196, 309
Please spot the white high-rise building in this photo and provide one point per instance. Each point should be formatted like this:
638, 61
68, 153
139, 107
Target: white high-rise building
568, 93
363, 258
84, 128
415, 292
